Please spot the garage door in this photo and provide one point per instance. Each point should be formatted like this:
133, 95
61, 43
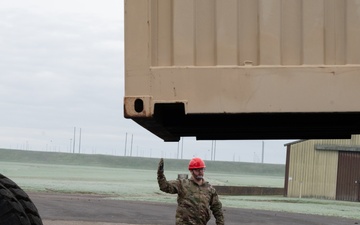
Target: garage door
348, 179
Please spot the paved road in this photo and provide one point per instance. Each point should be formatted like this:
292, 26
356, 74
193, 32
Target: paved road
68, 209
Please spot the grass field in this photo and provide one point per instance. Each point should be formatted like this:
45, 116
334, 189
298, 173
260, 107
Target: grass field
130, 178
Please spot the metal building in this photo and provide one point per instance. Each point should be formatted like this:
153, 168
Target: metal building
328, 169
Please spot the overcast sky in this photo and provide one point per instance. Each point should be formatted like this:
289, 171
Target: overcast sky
62, 66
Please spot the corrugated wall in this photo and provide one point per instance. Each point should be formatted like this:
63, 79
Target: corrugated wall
266, 32
355, 139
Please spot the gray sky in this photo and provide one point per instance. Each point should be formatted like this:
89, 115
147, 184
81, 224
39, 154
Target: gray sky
62, 67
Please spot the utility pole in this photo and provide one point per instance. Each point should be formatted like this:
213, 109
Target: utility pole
177, 154
74, 140
131, 144
214, 149
262, 153
182, 147
79, 140
125, 144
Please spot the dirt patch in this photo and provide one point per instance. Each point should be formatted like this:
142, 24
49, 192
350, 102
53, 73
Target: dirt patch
239, 190
73, 209
60, 222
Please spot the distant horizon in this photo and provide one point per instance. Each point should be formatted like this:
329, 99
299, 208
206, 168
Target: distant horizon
145, 157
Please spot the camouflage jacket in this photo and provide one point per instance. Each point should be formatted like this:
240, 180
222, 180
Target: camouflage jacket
194, 201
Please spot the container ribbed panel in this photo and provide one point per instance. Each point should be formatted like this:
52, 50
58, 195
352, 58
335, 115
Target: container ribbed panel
264, 32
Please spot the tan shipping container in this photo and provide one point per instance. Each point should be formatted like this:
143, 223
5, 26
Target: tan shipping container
243, 69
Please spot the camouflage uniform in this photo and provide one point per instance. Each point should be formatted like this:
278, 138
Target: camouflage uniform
194, 201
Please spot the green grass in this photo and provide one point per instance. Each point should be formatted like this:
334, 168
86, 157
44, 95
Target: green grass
136, 162
115, 175
130, 178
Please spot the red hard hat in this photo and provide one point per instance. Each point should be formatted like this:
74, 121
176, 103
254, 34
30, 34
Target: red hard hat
196, 163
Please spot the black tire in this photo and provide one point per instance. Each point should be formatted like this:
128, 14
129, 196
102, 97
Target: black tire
29, 208
11, 210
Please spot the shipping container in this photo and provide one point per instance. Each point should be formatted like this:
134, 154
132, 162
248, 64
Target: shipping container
243, 69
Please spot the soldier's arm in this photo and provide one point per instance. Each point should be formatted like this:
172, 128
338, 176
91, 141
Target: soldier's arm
164, 185
216, 208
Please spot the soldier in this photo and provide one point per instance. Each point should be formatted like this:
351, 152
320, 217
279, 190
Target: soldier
196, 197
